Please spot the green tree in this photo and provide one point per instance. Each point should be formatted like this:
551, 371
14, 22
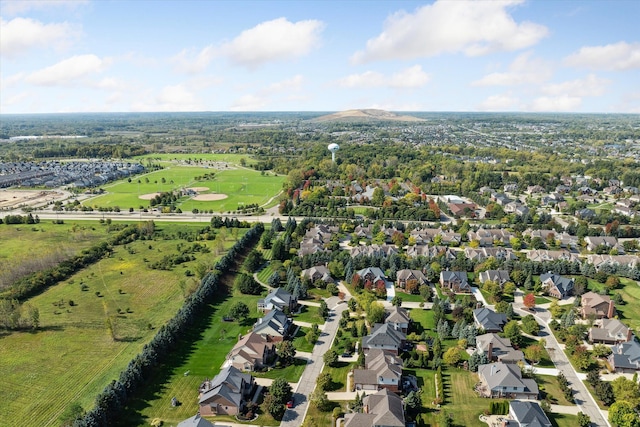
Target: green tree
529, 325
452, 356
623, 414
253, 261
534, 353
413, 401
239, 310
319, 400
324, 381
330, 358
377, 199
396, 301
375, 313
286, 352
583, 420
512, 331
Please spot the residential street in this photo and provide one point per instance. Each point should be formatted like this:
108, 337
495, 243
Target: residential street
294, 416
583, 398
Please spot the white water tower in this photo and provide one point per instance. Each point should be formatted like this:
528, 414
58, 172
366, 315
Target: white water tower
333, 148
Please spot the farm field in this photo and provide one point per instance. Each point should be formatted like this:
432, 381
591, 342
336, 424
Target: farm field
240, 185
74, 354
49, 241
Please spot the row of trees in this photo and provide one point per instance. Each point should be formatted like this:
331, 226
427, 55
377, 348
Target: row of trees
117, 394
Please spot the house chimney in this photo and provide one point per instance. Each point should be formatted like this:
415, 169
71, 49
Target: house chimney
611, 310
490, 352
629, 334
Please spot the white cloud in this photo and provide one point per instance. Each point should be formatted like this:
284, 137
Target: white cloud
589, 86
364, 80
612, 57
523, 70
472, 27
289, 85
190, 62
68, 71
274, 40
412, 77
10, 81
22, 34
15, 7
503, 102
249, 103
409, 78
171, 98
560, 103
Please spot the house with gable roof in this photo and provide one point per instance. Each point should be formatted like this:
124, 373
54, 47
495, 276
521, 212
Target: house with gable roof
456, 281
526, 414
195, 421
504, 380
489, 320
383, 409
596, 305
498, 349
319, 272
611, 331
398, 318
274, 326
556, 285
498, 276
384, 337
252, 352
382, 370
279, 299
625, 357
227, 393
406, 275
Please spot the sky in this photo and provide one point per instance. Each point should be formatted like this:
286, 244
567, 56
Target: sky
329, 55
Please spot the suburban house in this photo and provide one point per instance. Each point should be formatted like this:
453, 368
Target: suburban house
594, 241
625, 357
384, 337
489, 320
374, 250
382, 370
252, 352
462, 209
499, 276
408, 276
384, 409
526, 414
227, 393
481, 254
542, 255
596, 305
319, 272
599, 261
455, 280
398, 318
195, 421
280, 299
498, 349
372, 275
431, 251
556, 285
611, 331
504, 380
488, 237
274, 326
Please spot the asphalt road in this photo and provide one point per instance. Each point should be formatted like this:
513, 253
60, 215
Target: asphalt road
295, 416
583, 398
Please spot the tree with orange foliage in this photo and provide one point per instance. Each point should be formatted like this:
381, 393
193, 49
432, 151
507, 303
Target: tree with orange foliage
529, 301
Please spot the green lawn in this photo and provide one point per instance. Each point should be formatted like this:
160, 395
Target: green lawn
318, 294
550, 389
409, 297
74, 354
542, 300
460, 399
563, 420
309, 314
300, 341
630, 292
339, 375
241, 185
201, 353
316, 418
264, 274
423, 317
291, 373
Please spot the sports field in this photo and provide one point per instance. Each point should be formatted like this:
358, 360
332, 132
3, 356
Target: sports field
74, 355
241, 185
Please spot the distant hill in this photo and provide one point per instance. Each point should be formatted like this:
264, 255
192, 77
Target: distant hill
366, 115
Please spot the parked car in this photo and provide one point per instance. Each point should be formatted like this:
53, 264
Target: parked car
290, 403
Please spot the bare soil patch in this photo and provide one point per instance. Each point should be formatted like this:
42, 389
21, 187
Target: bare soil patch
14, 198
148, 196
209, 197
198, 189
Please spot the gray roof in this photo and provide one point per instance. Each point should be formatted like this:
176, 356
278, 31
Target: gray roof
501, 374
228, 384
489, 320
627, 354
195, 421
501, 347
563, 284
529, 414
383, 335
275, 320
397, 315
498, 276
384, 409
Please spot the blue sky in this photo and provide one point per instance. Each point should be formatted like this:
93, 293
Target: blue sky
453, 55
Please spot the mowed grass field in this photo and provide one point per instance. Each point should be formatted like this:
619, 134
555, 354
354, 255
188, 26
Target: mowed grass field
73, 355
630, 291
201, 356
241, 185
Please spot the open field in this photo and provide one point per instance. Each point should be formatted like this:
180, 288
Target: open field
51, 242
242, 186
10, 199
73, 355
